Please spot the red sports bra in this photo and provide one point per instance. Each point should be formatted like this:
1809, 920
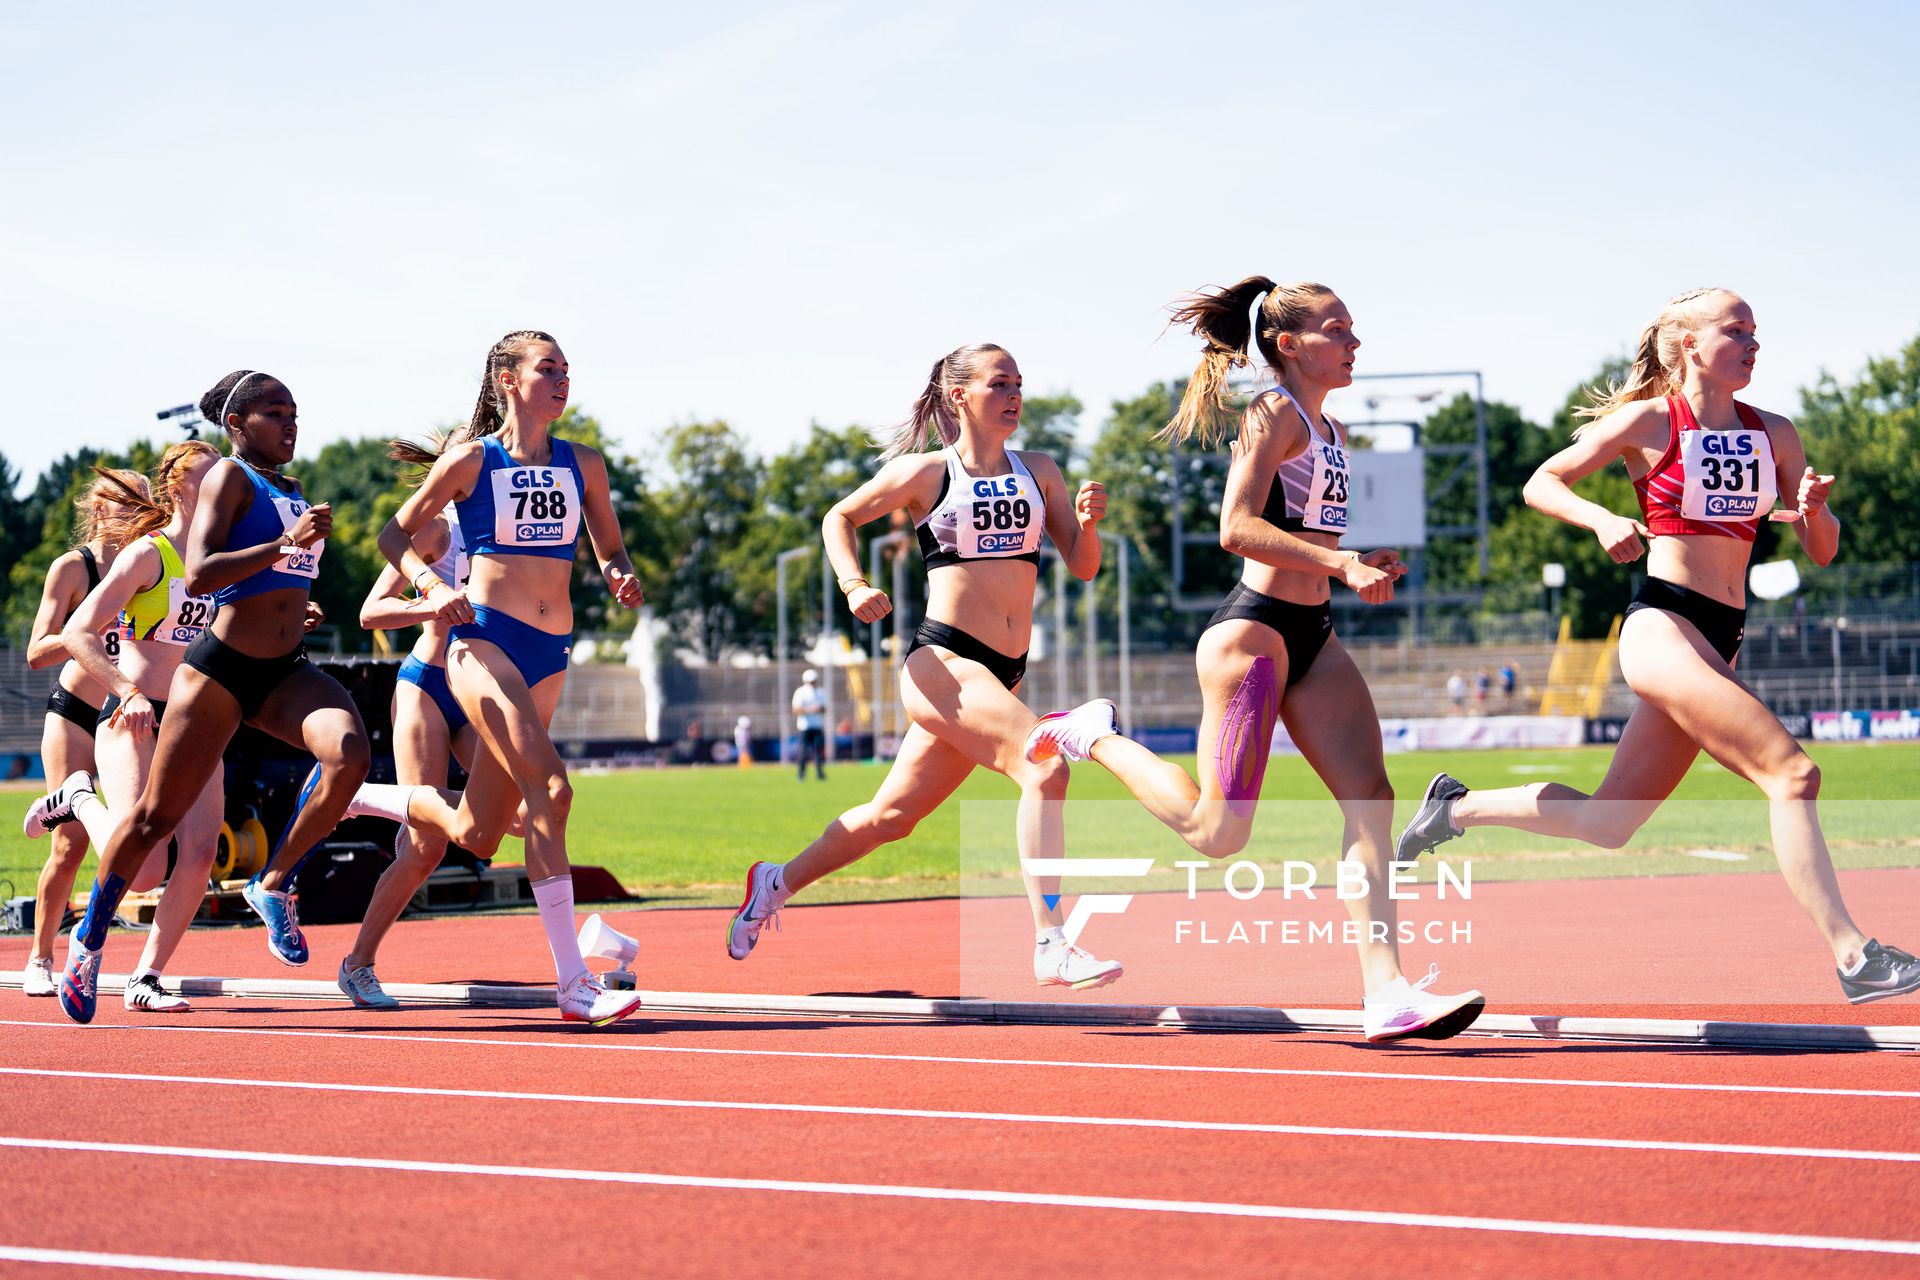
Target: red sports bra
1710, 482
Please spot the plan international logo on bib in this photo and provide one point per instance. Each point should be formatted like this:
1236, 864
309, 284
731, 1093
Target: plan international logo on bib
992, 542
1724, 456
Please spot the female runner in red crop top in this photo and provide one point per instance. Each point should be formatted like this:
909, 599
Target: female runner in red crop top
1707, 469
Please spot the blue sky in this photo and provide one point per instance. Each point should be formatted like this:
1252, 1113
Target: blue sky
782, 213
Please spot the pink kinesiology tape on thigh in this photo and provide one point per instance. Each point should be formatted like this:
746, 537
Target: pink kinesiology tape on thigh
1246, 732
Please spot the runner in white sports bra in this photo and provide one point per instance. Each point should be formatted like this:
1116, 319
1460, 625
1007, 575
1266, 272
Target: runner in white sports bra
980, 510
1269, 651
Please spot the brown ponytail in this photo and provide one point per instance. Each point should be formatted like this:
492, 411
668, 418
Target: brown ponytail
934, 419
1223, 317
489, 411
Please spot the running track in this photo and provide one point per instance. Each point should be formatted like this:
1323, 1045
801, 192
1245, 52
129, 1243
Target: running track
270, 1136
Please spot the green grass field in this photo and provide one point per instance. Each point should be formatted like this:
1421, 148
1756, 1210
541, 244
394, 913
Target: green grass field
686, 835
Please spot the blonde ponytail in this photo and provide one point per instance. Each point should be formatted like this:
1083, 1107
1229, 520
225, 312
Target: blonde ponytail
1655, 372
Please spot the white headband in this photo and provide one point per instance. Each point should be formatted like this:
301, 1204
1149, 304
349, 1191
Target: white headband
221, 421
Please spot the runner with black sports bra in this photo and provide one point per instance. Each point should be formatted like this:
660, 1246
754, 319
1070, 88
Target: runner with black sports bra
522, 496
429, 727
1707, 469
980, 510
73, 709
255, 546
1269, 651
143, 603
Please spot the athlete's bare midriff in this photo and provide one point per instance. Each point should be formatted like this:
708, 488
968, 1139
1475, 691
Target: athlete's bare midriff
1296, 586
150, 664
431, 646
75, 680
992, 601
529, 589
264, 626
1714, 566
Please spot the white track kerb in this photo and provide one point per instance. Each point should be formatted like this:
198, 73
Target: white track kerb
1674, 1031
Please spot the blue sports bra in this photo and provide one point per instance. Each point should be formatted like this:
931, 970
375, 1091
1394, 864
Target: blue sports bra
521, 510
271, 513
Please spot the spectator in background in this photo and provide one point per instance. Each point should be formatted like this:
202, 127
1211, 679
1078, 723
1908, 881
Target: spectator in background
1482, 685
1457, 692
810, 717
743, 742
1508, 678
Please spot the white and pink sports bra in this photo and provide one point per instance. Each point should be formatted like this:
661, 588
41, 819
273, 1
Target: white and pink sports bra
984, 517
1310, 490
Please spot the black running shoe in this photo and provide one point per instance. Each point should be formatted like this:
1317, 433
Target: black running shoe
1433, 822
1888, 971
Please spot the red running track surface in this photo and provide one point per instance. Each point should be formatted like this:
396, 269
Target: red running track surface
499, 1143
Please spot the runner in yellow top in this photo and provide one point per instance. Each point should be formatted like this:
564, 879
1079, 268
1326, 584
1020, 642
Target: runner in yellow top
157, 621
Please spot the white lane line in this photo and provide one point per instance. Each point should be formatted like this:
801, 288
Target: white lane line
1002, 1117
195, 1266
1134, 1204
621, 1045
1717, 855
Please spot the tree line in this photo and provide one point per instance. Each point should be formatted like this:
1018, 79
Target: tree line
705, 515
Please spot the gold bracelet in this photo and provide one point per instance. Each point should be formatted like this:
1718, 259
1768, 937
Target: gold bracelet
844, 581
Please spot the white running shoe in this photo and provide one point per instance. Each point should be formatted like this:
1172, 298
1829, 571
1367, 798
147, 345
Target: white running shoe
37, 979
1404, 1010
585, 1000
1072, 733
363, 988
759, 906
56, 807
146, 993
1061, 964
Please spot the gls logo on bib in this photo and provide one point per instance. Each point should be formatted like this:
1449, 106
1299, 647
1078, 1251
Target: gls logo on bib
535, 506
1726, 475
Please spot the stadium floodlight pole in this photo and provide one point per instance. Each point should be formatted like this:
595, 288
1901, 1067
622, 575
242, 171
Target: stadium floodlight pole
1062, 683
827, 586
780, 693
1090, 615
1121, 546
1839, 707
897, 538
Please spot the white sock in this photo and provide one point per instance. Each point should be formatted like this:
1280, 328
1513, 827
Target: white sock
93, 814
1858, 965
387, 800
780, 891
555, 896
1050, 936
142, 972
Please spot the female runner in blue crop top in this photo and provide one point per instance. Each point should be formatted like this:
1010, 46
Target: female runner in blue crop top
255, 546
521, 496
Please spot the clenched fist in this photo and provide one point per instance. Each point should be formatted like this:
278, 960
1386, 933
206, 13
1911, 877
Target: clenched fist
1090, 503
